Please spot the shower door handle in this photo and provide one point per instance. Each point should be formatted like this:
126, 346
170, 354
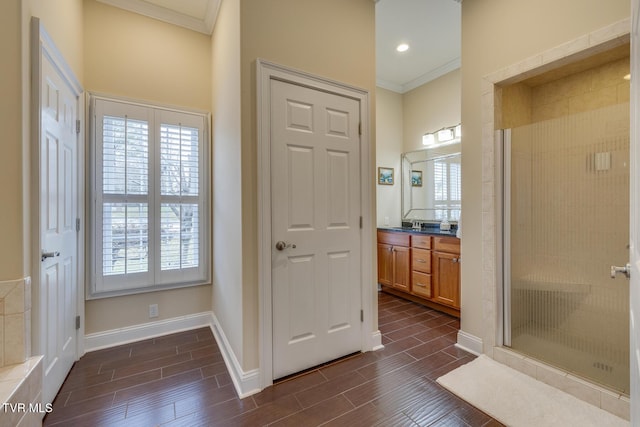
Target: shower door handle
626, 270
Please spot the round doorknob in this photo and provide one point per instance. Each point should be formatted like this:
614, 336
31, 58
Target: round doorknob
280, 245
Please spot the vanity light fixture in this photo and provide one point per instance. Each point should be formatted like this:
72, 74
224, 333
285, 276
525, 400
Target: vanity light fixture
428, 139
627, 77
402, 47
444, 136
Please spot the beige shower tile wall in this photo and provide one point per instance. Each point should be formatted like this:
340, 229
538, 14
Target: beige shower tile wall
530, 102
516, 106
578, 212
585, 91
570, 197
15, 321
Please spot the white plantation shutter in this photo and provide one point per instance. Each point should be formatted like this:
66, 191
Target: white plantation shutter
125, 177
455, 180
150, 168
447, 188
440, 180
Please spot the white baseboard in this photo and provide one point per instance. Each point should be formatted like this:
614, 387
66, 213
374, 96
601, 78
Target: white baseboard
376, 341
114, 337
469, 343
246, 383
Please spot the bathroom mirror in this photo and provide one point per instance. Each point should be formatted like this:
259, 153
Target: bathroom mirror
431, 184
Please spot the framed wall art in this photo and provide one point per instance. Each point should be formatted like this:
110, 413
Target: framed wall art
385, 176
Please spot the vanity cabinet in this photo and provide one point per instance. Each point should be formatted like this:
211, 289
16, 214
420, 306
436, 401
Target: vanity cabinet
394, 260
420, 267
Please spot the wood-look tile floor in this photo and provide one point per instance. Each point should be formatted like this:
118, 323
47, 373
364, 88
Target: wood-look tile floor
181, 380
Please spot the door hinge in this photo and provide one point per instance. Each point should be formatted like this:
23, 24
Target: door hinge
77, 322
360, 128
78, 126
77, 224
362, 315
360, 222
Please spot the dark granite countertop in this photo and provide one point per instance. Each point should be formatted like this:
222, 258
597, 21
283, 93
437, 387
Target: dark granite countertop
434, 231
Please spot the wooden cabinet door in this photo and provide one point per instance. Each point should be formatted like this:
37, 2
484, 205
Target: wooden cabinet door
401, 268
385, 264
446, 274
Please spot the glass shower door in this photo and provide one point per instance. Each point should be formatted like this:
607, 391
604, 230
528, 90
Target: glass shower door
566, 215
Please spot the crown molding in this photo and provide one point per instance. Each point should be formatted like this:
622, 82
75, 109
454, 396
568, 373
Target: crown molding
204, 25
419, 81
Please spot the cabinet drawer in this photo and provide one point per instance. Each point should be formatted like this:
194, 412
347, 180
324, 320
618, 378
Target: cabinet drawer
447, 244
421, 260
401, 239
421, 284
423, 242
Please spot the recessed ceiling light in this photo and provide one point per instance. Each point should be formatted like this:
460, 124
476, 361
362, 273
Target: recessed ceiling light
402, 47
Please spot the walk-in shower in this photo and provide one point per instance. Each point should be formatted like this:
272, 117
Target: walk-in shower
565, 223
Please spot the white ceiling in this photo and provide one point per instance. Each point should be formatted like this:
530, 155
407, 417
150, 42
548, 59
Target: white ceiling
432, 28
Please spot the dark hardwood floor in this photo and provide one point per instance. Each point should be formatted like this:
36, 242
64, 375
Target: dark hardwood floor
181, 380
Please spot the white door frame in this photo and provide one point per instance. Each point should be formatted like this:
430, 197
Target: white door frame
42, 45
266, 71
634, 223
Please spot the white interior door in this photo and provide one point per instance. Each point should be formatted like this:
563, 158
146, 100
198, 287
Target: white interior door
58, 285
634, 226
316, 208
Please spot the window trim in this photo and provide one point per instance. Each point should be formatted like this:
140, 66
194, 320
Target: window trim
95, 230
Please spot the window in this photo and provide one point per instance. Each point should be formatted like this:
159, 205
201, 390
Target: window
447, 188
150, 207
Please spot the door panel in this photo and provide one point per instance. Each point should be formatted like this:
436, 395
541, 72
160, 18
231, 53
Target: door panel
57, 290
301, 193
315, 152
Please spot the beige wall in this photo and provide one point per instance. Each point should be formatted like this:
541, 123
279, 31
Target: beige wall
495, 35
62, 21
330, 38
12, 258
430, 107
227, 177
389, 137
129, 55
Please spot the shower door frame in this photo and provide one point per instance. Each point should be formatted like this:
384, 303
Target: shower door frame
503, 247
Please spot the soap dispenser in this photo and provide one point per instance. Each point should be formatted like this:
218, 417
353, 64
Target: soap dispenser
444, 225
